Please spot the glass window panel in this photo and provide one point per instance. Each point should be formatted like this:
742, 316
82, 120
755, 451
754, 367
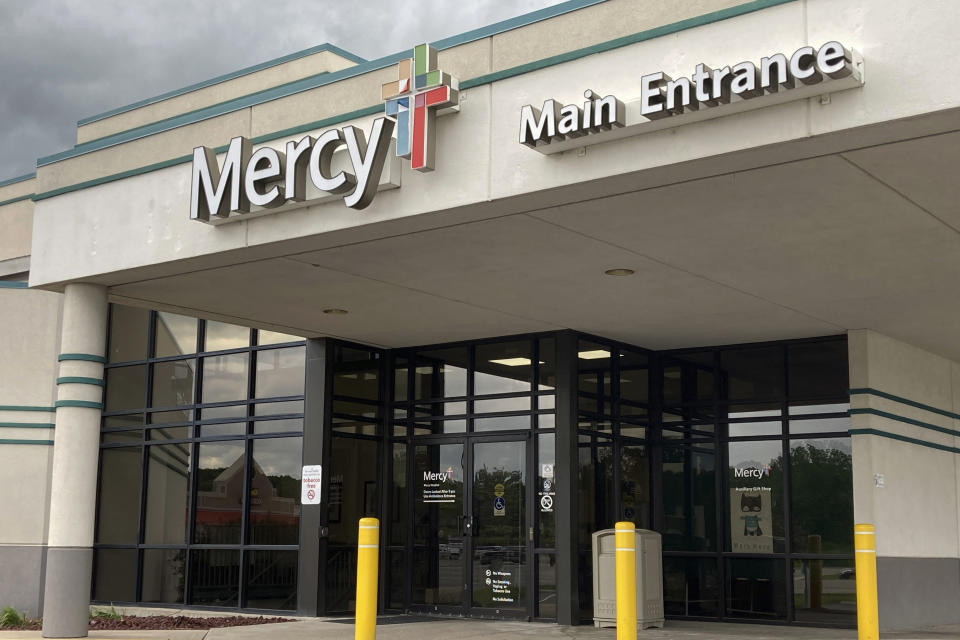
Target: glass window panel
400, 380
359, 409
547, 585
122, 437
441, 373
356, 373
423, 427
280, 372
353, 487
163, 575
173, 383
546, 492
132, 420
119, 496
347, 425
278, 408
168, 491
170, 417
232, 411
502, 423
596, 510
744, 411
275, 491
821, 496
501, 404
825, 592
503, 367
217, 517
223, 429
548, 364
272, 580
169, 433
272, 337
799, 408
220, 336
278, 426
634, 377
457, 408
756, 588
688, 378
126, 388
762, 428
115, 575
176, 335
396, 577
225, 378
818, 369
633, 431
821, 425
689, 498
755, 477
128, 333
215, 577
546, 402
546, 421
691, 587
398, 497
752, 372
635, 485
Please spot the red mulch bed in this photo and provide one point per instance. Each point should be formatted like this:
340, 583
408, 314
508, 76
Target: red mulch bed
163, 623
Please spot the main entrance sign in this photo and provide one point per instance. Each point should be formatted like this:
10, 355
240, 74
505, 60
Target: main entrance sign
707, 93
269, 178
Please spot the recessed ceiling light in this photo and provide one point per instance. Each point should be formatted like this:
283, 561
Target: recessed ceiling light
513, 362
336, 312
593, 355
619, 272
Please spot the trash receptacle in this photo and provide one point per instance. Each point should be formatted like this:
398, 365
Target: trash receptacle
649, 579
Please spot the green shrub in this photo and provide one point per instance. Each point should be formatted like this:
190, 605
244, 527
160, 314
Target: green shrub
10, 618
107, 614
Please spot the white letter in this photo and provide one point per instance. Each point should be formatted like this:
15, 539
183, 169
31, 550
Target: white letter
274, 166
229, 178
783, 73
569, 124
367, 160
834, 60
608, 112
685, 103
651, 95
802, 66
539, 127
320, 159
297, 160
745, 80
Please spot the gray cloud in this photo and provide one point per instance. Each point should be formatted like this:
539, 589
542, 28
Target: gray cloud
68, 59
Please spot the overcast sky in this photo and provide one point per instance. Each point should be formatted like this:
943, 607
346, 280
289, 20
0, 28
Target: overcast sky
64, 60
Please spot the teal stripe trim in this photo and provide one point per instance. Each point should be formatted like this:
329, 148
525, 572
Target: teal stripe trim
897, 436
224, 78
97, 382
366, 67
88, 357
27, 425
902, 400
14, 285
23, 178
82, 404
28, 196
916, 423
45, 442
26, 408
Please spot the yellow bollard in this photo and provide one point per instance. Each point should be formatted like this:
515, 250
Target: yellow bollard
626, 545
868, 625
368, 555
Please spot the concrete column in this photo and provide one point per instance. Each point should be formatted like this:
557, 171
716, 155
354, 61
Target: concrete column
73, 487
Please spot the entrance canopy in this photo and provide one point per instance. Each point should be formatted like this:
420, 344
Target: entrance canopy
799, 218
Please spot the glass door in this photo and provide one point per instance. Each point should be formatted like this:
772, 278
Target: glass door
470, 531
440, 529
499, 529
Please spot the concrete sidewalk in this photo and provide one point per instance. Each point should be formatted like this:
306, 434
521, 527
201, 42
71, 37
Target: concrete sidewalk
414, 628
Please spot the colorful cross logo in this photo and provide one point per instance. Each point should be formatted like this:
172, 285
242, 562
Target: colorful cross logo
423, 89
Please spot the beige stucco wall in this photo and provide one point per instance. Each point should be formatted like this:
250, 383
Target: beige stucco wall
916, 511
323, 61
28, 350
16, 220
